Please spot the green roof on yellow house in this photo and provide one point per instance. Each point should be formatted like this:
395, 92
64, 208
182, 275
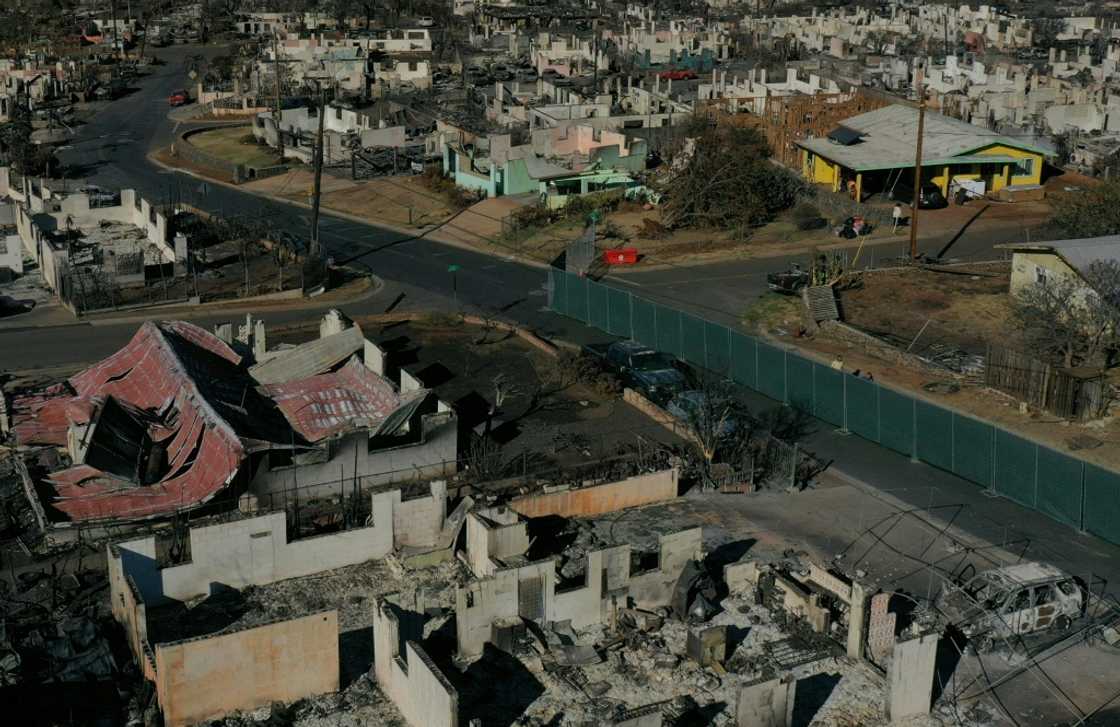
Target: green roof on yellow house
887, 139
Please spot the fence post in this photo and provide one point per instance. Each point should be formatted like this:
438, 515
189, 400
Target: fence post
1081, 519
785, 376
843, 405
914, 431
991, 491
793, 468
630, 298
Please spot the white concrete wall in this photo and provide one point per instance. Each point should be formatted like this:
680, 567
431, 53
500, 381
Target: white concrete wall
254, 551
411, 680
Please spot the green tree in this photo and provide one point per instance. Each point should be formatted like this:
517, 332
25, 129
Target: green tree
728, 182
1075, 319
1091, 213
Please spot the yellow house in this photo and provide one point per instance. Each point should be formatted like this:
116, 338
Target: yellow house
875, 151
1036, 262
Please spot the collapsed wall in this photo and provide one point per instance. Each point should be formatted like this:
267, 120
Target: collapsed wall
531, 590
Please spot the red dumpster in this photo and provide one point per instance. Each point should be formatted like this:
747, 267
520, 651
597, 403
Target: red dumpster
621, 256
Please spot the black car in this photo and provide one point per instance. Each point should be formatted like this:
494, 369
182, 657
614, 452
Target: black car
931, 197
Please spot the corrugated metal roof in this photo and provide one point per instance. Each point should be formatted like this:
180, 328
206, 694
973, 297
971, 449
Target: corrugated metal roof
310, 358
1078, 253
154, 372
890, 136
352, 397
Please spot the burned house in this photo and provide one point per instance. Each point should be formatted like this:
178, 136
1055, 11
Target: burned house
178, 418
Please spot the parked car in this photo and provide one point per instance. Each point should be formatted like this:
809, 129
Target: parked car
179, 98
930, 199
654, 375
425, 21
694, 409
677, 75
1010, 601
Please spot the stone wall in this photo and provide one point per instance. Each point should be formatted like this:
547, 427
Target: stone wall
599, 499
203, 678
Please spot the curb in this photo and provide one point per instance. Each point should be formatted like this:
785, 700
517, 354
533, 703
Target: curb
218, 307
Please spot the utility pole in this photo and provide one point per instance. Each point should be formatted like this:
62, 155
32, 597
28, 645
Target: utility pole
116, 35
920, 74
316, 192
279, 131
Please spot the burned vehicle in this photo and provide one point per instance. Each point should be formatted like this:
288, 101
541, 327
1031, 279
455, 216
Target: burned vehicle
1012, 601
788, 281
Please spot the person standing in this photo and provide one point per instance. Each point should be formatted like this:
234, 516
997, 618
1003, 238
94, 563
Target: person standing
896, 216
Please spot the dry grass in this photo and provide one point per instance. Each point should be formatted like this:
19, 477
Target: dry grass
230, 143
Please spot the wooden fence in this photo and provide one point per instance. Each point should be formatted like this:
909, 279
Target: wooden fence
1068, 393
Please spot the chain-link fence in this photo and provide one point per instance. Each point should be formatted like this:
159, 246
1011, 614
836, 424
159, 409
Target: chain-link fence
1064, 488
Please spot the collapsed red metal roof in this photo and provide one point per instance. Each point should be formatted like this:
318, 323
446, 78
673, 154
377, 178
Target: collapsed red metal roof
326, 404
166, 370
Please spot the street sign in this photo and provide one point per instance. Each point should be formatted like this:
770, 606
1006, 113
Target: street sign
452, 268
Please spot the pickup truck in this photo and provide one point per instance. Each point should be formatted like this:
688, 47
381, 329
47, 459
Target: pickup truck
652, 374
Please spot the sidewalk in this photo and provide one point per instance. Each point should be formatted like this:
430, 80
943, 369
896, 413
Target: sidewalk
58, 316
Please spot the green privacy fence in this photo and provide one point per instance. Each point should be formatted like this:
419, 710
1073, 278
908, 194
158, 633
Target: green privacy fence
1064, 488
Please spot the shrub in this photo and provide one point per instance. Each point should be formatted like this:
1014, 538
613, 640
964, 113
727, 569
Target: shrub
807, 217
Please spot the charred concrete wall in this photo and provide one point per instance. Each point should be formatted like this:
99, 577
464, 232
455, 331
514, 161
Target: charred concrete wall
654, 588
407, 675
435, 455
493, 535
531, 591
525, 592
418, 521
254, 551
599, 499
203, 678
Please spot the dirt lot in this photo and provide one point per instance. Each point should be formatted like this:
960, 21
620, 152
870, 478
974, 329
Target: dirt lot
229, 143
401, 200
960, 306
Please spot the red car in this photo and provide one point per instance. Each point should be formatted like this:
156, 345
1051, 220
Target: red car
678, 75
179, 98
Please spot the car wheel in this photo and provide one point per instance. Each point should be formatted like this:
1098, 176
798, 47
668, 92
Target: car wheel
1063, 623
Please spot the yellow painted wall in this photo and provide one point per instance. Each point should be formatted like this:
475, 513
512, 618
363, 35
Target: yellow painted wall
1025, 265
1035, 177
819, 170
